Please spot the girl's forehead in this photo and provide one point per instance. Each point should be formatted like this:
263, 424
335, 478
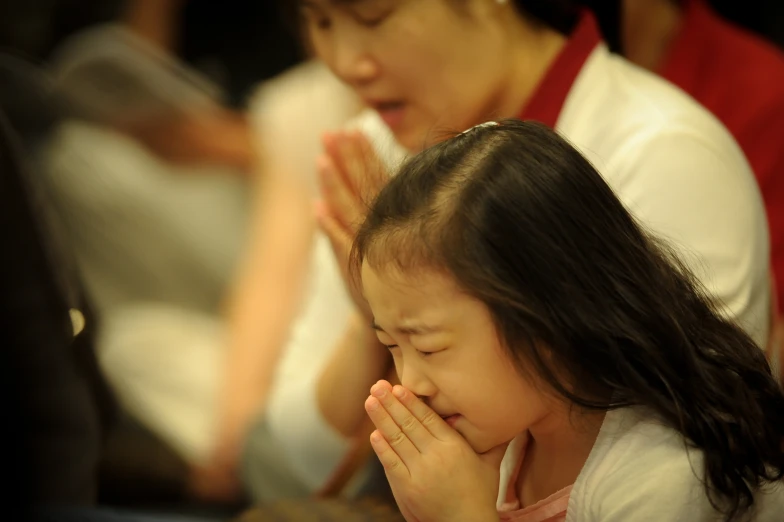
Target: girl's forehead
422, 295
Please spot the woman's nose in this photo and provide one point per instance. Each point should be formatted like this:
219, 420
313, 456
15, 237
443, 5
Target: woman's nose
353, 64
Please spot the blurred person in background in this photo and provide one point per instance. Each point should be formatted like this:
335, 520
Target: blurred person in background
156, 179
155, 182
192, 224
156, 207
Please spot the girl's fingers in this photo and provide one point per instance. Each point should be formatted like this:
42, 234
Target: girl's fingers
408, 423
428, 418
393, 464
394, 436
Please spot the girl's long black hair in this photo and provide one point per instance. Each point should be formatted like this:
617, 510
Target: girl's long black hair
603, 313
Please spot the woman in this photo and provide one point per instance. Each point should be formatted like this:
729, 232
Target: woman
433, 65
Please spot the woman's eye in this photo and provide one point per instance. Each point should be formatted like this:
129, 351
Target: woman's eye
372, 21
373, 13
315, 19
390, 346
322, 23
425, 354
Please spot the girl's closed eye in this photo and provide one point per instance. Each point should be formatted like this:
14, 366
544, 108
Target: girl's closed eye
372, 21
420, 352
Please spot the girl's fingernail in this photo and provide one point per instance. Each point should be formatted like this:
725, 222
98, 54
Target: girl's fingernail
379, 391
399, 392
375, 437
372, 405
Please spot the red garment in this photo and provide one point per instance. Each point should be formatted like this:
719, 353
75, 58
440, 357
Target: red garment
550, 95
739, 78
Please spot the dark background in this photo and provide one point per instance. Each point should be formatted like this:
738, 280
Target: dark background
240, 42
235, 42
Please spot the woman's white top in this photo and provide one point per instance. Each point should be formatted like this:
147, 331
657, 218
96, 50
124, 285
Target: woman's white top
671, 162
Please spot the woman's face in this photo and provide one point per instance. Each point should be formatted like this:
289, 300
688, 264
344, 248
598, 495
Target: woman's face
429, 67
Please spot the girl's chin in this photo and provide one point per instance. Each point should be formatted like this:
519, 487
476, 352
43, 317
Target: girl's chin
480, 444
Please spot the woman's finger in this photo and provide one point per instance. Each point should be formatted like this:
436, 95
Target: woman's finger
367, 174
354, 162
338, 236
342, 203
377, 174
333, 147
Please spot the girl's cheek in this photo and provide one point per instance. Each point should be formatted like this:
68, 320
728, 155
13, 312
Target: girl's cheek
397, 359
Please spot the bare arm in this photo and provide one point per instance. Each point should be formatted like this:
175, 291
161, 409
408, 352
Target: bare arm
263, 303
212, 136
289, 115
359, 361
351, 175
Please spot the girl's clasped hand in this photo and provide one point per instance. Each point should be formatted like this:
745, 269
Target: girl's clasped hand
433, 472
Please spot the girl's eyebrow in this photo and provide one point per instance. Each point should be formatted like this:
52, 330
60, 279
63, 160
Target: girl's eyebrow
412, 329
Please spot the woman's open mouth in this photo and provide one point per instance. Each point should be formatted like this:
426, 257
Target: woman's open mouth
392, 113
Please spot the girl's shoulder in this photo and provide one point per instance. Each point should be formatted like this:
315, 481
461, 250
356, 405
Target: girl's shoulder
641, 469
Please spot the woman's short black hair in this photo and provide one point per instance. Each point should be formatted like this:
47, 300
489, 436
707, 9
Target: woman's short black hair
560, 15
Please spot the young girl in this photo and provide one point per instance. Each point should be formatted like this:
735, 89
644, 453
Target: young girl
521, 302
